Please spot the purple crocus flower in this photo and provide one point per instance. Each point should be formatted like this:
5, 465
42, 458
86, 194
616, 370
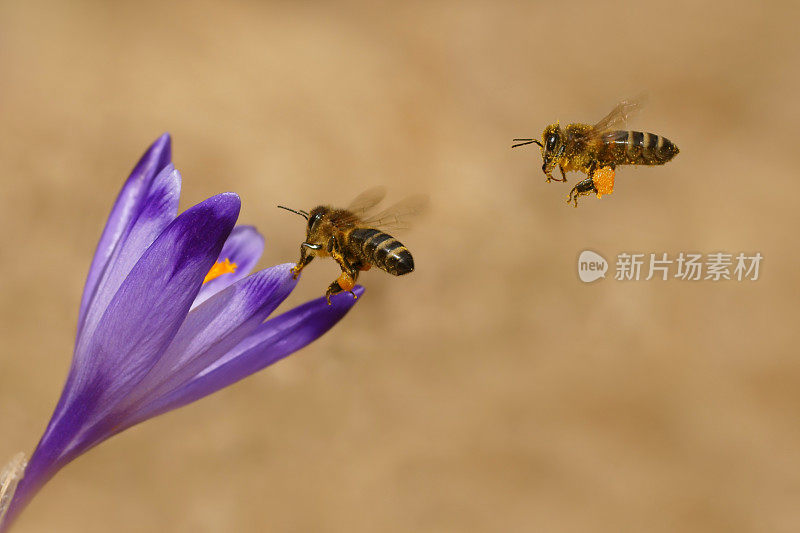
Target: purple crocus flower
169, 315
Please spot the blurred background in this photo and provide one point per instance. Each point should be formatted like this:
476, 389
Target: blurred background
490, 390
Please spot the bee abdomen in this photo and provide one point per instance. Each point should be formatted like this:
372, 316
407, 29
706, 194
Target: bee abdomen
383, 250
640, 148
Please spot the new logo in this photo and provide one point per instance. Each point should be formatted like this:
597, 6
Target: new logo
591, 266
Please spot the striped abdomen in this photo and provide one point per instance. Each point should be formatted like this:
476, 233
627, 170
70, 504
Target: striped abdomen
375, 247
636, 148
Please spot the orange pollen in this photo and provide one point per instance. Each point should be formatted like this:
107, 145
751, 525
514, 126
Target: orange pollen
220, 268
603, 179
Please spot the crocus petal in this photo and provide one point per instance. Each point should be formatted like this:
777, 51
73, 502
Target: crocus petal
139, 323
124, 213
244, 248
143, 317
210, 331
155, 211
270, 342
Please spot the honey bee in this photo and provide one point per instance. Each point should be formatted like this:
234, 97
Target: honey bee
355, 239
597, 150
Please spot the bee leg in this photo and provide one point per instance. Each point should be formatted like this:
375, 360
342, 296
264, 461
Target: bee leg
333, 288
581, 189
563, 174
548, 173
305, 259
347, 279
345, 282
336, 253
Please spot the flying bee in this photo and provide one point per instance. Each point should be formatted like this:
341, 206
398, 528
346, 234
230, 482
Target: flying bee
597, 150
355, 240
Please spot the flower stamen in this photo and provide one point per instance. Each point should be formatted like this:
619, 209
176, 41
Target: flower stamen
220, 268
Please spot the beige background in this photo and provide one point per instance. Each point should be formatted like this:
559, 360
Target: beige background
490, 390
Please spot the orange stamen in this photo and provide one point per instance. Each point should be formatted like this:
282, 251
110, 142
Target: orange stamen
220, 268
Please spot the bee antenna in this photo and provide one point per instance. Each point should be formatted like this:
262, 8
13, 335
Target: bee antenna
525, 141
301, 212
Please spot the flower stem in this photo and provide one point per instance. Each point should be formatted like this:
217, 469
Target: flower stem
9, 478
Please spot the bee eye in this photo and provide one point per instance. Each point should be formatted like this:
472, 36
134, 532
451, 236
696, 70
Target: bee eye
313, 219
551, 143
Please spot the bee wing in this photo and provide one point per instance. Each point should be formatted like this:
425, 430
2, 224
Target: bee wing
618, 117
397, 215
366, 200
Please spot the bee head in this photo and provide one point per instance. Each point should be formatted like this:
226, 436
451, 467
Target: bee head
315, 218
315, 229
552, 146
